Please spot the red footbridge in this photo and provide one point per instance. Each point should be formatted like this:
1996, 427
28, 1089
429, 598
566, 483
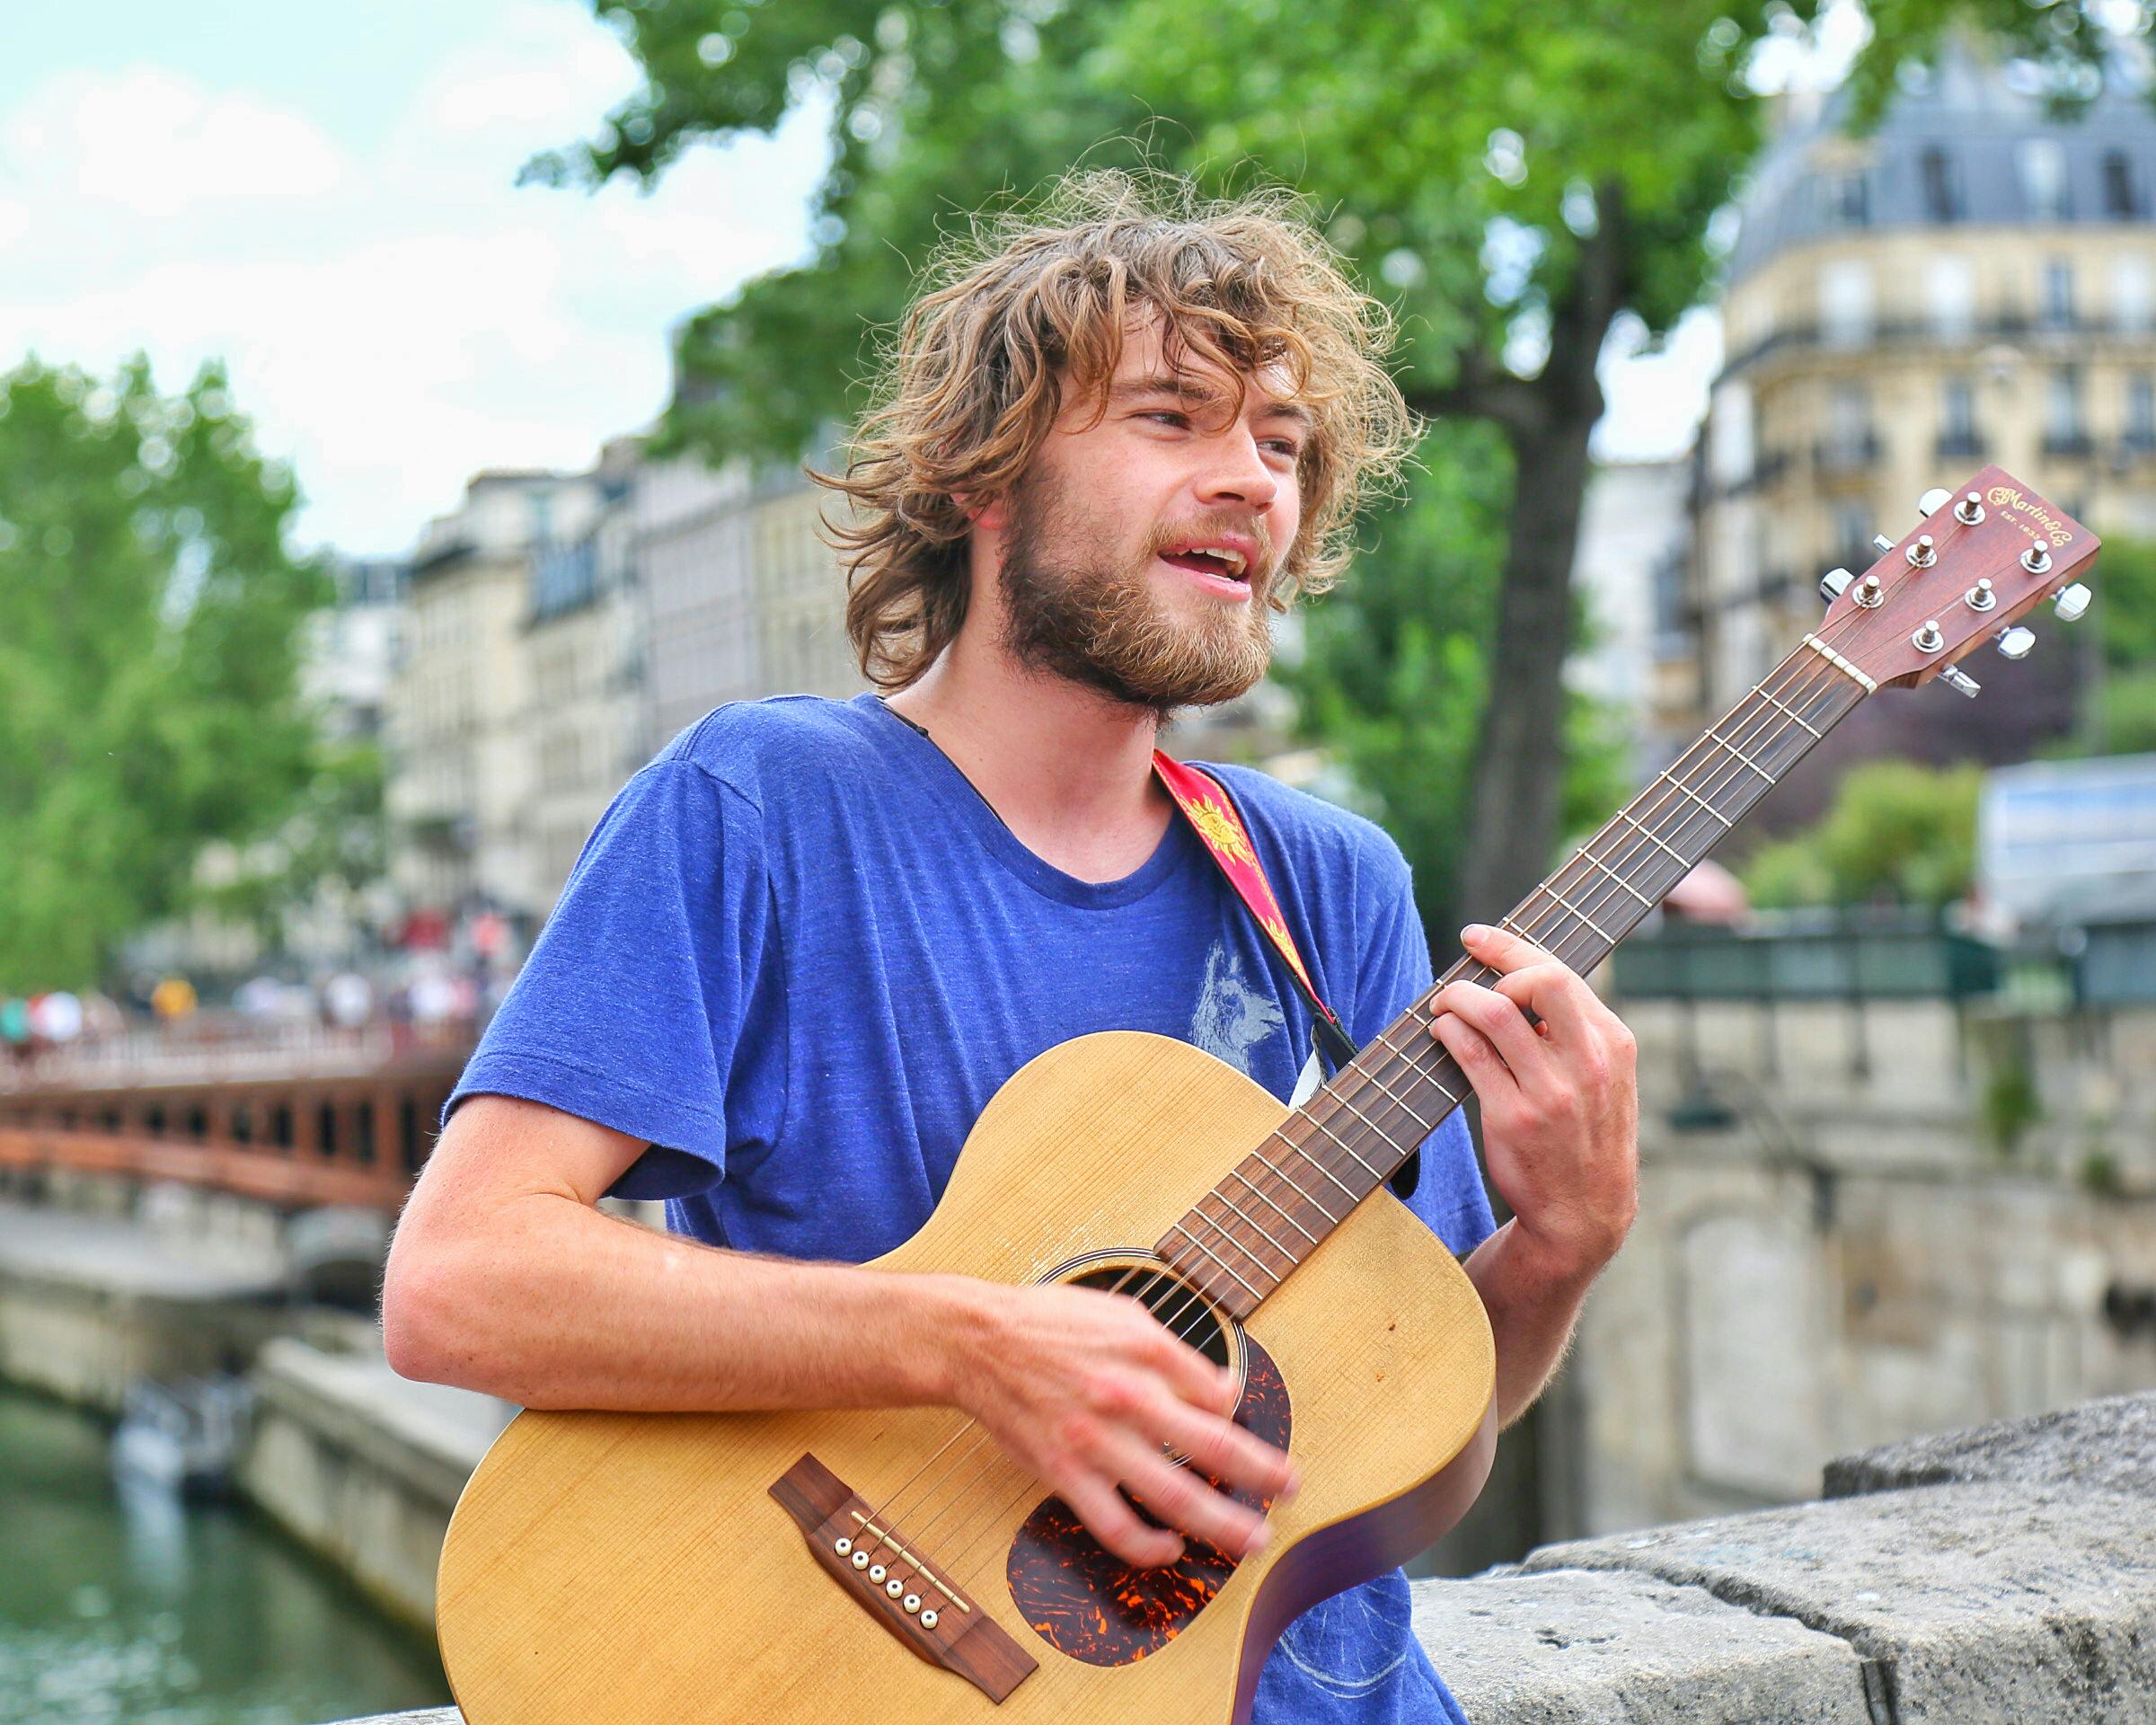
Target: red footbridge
298, 1116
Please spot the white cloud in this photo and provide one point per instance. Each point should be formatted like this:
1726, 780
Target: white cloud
154, 144
394, 318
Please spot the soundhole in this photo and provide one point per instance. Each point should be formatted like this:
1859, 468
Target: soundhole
1174, 1302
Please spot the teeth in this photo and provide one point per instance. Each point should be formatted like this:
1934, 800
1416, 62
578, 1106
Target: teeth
1232, 559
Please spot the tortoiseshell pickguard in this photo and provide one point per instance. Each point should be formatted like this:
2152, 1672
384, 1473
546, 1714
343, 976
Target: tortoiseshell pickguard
1085, 1601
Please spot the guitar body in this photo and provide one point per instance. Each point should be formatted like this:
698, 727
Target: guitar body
611, 1568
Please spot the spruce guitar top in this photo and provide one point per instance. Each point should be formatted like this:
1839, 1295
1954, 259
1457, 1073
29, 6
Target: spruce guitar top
616, 1568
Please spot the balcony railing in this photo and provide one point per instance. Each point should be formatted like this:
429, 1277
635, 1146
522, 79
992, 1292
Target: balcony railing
1958, 332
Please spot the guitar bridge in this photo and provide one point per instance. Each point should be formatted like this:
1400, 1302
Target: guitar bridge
890, 1580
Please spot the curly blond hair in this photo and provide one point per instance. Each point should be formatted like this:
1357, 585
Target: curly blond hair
1028, 306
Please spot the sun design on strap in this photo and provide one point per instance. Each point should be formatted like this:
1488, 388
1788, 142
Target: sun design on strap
1220, 829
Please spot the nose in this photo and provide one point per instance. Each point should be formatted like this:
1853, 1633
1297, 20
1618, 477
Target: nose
1238, 473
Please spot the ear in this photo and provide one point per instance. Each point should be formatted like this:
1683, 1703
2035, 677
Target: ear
992, 515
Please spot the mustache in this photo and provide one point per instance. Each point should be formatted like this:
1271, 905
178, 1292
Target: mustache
1222, 524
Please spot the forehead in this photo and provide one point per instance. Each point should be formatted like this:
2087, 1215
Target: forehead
1149, 359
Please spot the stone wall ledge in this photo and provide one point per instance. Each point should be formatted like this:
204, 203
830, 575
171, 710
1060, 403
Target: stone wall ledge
2004, 1574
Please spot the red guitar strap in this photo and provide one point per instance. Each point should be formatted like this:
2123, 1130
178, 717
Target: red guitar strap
1212, 817
1220, 829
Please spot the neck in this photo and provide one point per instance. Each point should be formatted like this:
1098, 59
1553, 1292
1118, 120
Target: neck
1254, 1227
1069, 770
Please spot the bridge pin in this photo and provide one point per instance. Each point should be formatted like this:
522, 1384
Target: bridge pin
877, 1571
844, 1546
860, 1559
893, 1586
910, 1603
928, 1619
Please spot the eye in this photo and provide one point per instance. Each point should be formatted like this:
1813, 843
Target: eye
1167, 416
1287, 447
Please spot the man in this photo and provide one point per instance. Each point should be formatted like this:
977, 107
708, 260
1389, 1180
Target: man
809, 940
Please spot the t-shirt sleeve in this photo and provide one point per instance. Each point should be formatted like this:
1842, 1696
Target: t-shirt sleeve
1450, 1195
651, 977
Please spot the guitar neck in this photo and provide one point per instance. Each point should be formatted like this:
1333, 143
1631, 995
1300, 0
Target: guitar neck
1251, 1230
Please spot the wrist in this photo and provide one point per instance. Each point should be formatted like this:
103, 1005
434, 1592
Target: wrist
957, 1317
1551, 1259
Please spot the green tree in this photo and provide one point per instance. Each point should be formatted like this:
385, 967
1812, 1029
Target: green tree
2121, 716
1894, 831
1516, 179
147, 661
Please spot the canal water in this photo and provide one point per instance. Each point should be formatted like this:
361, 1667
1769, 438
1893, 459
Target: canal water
120, 1606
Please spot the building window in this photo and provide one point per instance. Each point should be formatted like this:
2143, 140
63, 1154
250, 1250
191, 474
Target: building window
1950, 286
1852, 200
2043, 163
2141, 410
2062, 429
1849, 441
1942, 202
2058, 294
2119, 186
540, 508
2130, 295
1852, 537
1957, 417
1845, 302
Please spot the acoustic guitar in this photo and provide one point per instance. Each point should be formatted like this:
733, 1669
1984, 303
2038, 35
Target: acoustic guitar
798, 1567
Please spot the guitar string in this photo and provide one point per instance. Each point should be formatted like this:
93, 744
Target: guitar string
1769, 691
1664, 800
1820, 684
1771, 695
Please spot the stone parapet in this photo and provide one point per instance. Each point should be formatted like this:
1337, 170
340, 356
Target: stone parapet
2003, 1574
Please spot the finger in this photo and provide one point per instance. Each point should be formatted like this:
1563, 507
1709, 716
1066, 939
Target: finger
1485, 1069
1499, 1021
1500, 948
1182, 1499
1188, 1373
1096, 1502
1558, 996
1224, 1450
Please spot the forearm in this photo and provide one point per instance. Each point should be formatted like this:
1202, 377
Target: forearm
1533, 1300
550, 1303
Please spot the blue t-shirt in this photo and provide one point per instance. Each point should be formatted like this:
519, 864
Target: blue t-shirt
799, 953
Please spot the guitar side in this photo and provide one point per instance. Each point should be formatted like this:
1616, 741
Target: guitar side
606, 1567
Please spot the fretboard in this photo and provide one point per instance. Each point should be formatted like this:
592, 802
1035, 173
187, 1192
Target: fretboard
1274, 1208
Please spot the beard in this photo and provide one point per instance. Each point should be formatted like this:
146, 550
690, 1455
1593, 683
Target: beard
1107, 628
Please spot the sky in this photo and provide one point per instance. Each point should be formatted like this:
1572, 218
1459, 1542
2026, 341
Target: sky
325, 198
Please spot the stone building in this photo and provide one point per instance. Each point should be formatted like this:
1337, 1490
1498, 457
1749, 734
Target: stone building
586, 723
462, 791
1972, 282
742, 597
352, 649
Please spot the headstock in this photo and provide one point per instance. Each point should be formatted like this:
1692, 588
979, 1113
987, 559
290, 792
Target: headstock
1984, 556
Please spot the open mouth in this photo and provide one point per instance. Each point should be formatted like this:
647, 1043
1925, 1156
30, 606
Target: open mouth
1221, 561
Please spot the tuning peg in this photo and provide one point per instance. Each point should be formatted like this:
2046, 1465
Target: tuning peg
1881, 543
2016, 641
1959, 680
2072, 602
1835, 582
1932, 502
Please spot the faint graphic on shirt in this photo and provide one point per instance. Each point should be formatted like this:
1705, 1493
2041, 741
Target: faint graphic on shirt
1232, 1017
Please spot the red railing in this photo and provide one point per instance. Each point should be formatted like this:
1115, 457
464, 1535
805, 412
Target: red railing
343, 1131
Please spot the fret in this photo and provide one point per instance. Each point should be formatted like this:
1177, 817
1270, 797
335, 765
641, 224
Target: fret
1313, 1203
1625, 814
1426, 1127
1243, 1215
1794, 719
1589, 856
1344, 1145
1178, 1227
1341, 1099
1354, 1196
1603, 897
1716, 736
1608, 938
1681, 789
1284, 1216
